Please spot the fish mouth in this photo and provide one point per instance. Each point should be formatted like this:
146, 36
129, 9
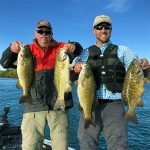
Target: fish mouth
62, 55
21, 45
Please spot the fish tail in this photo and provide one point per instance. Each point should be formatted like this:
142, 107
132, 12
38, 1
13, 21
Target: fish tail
80, 108
124, 101
59, 105
140, 102
131, 116
25, 99
88, 122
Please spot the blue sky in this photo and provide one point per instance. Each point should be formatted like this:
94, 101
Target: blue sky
72, 20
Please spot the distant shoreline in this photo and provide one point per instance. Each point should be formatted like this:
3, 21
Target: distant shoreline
9, 73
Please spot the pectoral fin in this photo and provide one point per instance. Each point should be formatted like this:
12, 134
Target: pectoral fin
69, 89
139, 102
18, 85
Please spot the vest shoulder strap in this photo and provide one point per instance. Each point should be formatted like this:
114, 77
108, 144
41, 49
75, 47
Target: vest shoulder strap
93, 50
111, 51
93, 47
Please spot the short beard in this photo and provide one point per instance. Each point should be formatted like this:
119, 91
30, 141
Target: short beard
106, 41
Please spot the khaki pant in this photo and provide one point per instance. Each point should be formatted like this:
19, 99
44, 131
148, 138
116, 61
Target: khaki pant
33, 125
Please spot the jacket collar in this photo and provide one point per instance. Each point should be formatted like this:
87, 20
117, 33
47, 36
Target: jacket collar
53, 42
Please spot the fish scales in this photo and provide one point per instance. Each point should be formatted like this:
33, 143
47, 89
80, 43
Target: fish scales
133, 89
25, 71
86, 91
61, 78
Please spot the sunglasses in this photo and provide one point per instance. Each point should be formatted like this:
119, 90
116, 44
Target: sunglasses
100, 27
42, 32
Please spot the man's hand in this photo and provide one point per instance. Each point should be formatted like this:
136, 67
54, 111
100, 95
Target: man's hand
69, 47
77, 67
145, 64
15, 47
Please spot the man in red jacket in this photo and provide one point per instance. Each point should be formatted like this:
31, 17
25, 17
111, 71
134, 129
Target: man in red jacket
44, 50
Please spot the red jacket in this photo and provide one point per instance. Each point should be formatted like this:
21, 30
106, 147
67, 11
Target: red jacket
45, 59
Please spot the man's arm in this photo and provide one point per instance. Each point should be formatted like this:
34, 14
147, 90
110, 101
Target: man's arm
73, 49
8, 58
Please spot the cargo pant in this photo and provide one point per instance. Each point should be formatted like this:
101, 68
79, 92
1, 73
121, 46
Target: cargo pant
33, 125
109, 119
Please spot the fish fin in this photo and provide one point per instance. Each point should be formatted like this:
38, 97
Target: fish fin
139, 102
95, 103
70, 66
69, 88
80, 108
131, 116
76, 82
70, 84
88, 122
59, 105
18, 85
25, 99
124, 100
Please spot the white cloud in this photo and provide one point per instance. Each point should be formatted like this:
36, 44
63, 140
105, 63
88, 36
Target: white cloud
119, 5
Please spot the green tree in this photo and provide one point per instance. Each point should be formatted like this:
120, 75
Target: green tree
9, 73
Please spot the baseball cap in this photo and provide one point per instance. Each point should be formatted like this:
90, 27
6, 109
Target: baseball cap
43, 23
100, 19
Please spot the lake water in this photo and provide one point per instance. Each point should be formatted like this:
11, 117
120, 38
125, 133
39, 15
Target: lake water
139, 135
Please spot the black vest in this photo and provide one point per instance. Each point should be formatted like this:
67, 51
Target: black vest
107, 67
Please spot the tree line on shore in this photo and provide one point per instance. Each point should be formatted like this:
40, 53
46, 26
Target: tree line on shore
9, 73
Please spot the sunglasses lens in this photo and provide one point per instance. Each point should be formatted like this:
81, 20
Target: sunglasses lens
100, 27
107, 27
42, 32
39, 31
48, 32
